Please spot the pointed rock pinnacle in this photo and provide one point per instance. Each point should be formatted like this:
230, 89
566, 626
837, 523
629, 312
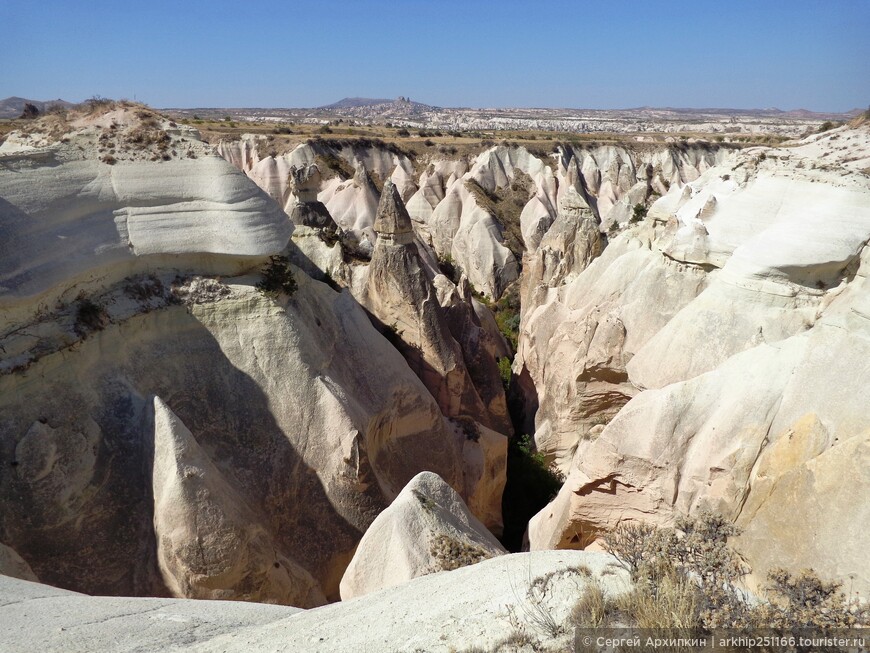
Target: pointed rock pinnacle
392, 217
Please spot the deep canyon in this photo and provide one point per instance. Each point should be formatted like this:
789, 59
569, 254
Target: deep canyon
676, 326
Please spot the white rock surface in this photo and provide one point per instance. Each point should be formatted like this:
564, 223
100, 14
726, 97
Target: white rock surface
352, 200
67, 217
441, 612
40, 617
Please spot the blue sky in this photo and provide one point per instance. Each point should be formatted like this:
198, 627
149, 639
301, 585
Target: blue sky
603, 54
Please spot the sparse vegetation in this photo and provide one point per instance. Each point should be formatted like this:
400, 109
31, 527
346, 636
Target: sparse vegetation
333, 165
448, 268
30, 112
506, 205
468, 427
393, 335
197, 290
687, 577
145, 287
592, 610
90, 317
277, 278
507, 314
451, 553
504, 371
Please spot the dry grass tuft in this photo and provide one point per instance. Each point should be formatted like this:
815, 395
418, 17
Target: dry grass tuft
672, 602
593, 608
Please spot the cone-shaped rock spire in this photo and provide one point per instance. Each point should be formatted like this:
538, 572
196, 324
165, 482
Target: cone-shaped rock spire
392, 217
210, 544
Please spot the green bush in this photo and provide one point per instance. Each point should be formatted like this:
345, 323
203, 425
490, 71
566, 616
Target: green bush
638, 213
277, 278
505, 372
531, 485
507, 315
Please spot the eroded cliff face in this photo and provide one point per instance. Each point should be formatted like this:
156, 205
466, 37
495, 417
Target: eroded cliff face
211, 544
351, 176
401, 296
695, 362
426, 529
148, 409
265, 388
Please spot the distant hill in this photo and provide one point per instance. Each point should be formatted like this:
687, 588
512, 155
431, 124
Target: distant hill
352, 102
401, 104
12, 107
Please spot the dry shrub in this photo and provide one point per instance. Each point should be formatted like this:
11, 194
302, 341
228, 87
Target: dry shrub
197, 290
804, 600
451, 553
688, 576
90, 317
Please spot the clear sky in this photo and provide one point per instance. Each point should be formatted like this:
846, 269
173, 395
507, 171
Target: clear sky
603, 54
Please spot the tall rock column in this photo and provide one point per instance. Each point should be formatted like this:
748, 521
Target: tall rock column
400, 295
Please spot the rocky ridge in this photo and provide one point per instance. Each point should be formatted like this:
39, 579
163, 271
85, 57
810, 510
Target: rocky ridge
426, 613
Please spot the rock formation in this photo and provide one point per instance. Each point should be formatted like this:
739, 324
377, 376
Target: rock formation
345, 188
311, 417
210, 543
307, 209
13, 565
726, 319
130, 213
483, 213
400, 295
264, 385
426, 529
689, 315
